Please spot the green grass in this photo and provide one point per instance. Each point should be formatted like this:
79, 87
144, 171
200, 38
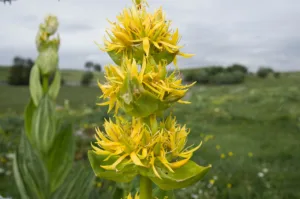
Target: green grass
260, 116
69, 75
14, 98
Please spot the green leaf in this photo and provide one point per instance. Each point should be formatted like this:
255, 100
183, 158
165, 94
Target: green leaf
35, 86
18, 178
29, 111
61, 155
55, 86
32, 171
44, 125
182, 177
78, 185
125, 172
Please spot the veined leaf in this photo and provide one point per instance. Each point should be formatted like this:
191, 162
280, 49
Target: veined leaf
184, 176
78, 185
55, 86
35, 85
61, 155
44, 125
123, 173
32, 172
29, 111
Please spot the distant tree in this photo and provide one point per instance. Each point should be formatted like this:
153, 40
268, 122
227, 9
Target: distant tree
87, 78
276, 74
88, 65
20, 71
237, 67
97, 67
263, 72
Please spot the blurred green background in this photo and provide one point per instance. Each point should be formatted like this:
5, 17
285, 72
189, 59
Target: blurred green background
249, 124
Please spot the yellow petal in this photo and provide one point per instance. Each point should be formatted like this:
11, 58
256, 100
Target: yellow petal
183, 102
178, 164
136, 160
185, 55
146, 45
113, 166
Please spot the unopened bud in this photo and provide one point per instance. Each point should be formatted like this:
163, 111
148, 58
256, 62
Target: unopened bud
47, 61
51, 24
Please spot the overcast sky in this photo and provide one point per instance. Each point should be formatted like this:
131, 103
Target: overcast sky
250, 32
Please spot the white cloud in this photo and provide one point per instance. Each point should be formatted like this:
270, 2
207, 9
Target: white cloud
251, 32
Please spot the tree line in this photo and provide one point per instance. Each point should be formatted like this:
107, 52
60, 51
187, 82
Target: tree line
19, 72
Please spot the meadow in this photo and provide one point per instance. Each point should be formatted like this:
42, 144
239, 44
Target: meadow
250, 135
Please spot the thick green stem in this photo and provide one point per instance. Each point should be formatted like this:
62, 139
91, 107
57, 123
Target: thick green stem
45, 83
145, 188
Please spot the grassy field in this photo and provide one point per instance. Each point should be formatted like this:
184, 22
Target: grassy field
69, 75
250, 134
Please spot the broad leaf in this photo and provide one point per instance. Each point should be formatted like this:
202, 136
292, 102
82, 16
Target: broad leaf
35, 86
182, 177
123, 173
29, 111
31, 171
55, 86
44, 125
60, 157
78, 185
18, 178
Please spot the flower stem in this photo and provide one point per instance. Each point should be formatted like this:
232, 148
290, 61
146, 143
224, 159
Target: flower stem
145, 188
45, 83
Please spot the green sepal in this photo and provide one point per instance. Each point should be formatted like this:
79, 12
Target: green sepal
136, 52
182, 177
35, 86
138, 102
44, 125
164, 55
31, 171
116, 57
78, 185
125, 172
59, 160
55, 86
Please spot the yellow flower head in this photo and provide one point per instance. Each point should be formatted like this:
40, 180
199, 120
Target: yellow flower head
230, 154
144, 144
135, 197
223, 156
141, 91
138, 33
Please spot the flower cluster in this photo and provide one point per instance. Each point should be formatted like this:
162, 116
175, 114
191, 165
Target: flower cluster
144, 145
139, 33
142, 45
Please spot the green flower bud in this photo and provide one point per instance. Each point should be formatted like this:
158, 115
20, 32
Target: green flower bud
47, 61
51, 24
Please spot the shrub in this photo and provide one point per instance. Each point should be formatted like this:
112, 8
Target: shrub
87, 78
237, 67
276, 74
263, 72
213, 70
20, 71
235, 77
